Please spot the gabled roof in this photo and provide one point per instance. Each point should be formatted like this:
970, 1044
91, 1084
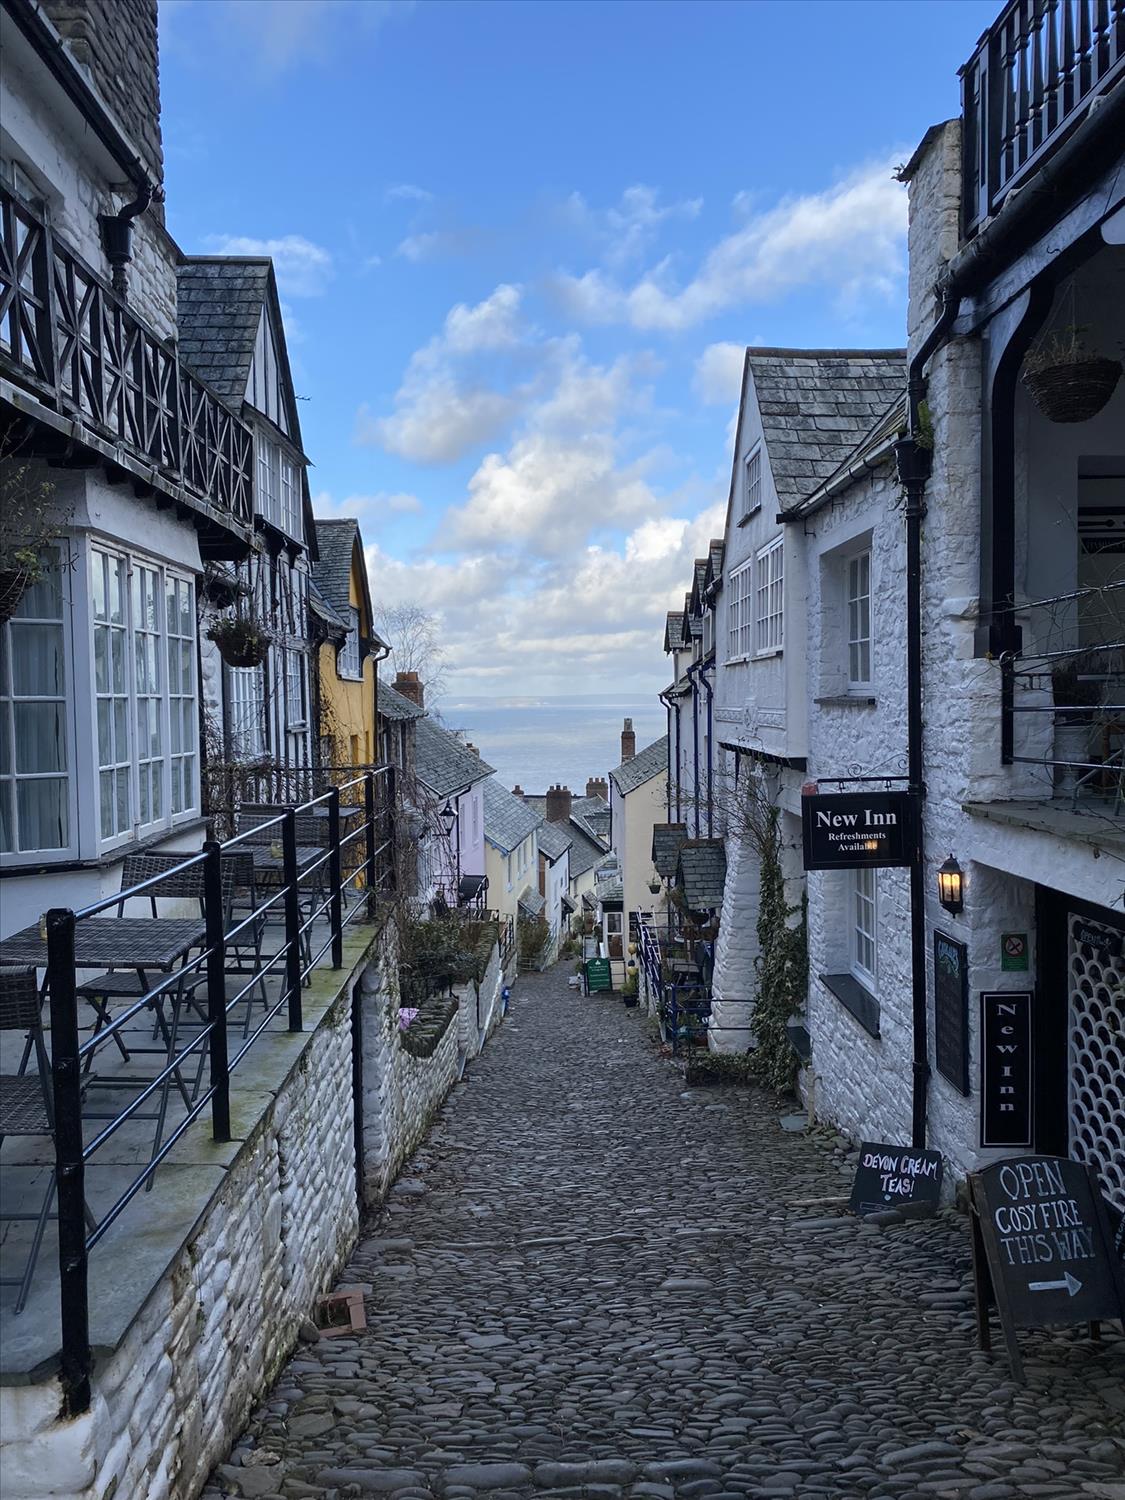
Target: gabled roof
393, 705
873, 448
698, 582
667, 840
337, 541
815, 405
324, 611
674, 637
531, 903
646, 764
507, 820
554, 840
219, 301
714, 576
442, 762
701, 873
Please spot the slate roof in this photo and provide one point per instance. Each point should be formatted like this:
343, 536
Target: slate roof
394, 705
554, 840
701, 873
646, 764
442, 762
507, 819
332, 571
218, 308
321, 607
715, 560
885, 430
816, 404
585, 849
612, 890
531, 903
667, 840
674, 638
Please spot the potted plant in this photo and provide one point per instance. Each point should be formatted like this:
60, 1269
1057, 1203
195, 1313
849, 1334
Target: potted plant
1067, 380
28, 522
654, 886
629, 990
1076, 690
242, 641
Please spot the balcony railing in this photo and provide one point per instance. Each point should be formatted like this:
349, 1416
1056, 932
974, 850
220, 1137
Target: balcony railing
1030, 82
66, 337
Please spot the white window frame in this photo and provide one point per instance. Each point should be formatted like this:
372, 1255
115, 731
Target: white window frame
296, 689
752, 482
739, 593
12, 777
347, 659
278, 487
769, 598
857, 608
863, 925
247, 698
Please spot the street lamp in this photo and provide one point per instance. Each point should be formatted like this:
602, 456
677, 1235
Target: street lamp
951, 886
448, 817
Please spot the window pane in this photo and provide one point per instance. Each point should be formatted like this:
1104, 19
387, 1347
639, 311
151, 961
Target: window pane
40, 737
41, 808
105, 793
37, 660
5, 817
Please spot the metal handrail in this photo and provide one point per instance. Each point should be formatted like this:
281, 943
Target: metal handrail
205, 970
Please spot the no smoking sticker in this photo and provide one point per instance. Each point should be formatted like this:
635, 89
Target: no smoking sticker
1013, 951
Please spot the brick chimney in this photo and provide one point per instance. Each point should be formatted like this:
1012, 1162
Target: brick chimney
596, 786
518, 791
628, 741
470, 746
558, 804
410, 686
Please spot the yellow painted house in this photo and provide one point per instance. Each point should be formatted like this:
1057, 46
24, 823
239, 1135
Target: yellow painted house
349, 647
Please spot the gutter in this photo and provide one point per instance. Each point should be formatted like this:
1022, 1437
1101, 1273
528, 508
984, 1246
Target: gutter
840, 481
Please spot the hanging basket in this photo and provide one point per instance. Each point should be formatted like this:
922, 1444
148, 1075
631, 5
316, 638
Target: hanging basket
1073, 391
14, 584
241, 643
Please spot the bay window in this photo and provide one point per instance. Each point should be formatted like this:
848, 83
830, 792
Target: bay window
279, 486
770, 597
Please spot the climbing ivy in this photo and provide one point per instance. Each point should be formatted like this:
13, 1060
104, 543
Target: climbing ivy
782, 964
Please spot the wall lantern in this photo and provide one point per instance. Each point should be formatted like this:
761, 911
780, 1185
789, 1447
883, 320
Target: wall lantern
951, 885
448, 816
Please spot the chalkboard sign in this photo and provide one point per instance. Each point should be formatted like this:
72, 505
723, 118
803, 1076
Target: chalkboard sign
857, 830
896, 1177
1005, 1068
598, 976
1042, 1248
951, 1010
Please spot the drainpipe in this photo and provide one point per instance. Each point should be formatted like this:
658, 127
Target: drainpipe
695, 666
710, 754
117, 234
673, 763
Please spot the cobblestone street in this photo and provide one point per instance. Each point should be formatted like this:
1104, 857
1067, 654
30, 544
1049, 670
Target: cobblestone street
603, 1285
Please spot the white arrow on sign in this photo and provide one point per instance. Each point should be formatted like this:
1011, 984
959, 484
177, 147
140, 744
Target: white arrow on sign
1069, 1284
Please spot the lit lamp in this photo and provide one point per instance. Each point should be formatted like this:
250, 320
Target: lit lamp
448, 816
951, 885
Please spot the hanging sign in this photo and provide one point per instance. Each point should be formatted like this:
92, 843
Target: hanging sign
857, 830
1042, 1248
1005, 1068
896, 1177
1013, 952
951, 1010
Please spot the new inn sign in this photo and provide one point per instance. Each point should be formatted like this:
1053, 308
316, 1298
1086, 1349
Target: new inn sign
850, 830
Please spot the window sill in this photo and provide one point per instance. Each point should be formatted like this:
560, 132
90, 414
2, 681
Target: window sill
749, 516
110, 857
846, 700
858, 1001
768, 655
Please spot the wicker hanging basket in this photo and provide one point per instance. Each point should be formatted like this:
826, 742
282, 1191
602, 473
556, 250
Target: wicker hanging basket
1073, 391
14, 584
241, 643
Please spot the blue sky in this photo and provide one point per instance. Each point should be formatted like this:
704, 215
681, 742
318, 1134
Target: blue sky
521, 247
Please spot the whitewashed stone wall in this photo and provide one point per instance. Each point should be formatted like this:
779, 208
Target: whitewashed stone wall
734, 982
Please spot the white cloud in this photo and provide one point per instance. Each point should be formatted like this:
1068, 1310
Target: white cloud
625, 231
850, 238
446, 404
303, 268
718, 374
380, 504
408, 192
275, 36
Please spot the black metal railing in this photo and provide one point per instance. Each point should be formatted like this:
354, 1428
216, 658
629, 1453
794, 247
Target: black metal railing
1063, 704
67, 337
1029, 83
359, 860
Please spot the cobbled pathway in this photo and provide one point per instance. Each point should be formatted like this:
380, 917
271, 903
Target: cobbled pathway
595, 1283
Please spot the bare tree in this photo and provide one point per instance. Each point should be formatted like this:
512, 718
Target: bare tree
413, 635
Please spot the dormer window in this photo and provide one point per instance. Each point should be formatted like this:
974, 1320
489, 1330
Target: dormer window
752, 483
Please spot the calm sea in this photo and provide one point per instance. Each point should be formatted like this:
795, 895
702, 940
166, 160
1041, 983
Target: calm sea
537, 741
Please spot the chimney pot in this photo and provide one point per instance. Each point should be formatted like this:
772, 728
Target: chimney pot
410, 686
596, 787
558, 803
517, 790
628, 741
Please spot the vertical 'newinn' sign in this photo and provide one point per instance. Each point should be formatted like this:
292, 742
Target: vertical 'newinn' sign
1006, 1068
853, 830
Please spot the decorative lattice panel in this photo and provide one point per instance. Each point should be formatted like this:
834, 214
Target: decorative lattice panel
1097, 1053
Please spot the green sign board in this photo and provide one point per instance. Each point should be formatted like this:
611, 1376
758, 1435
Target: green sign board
598, 976
1013, 951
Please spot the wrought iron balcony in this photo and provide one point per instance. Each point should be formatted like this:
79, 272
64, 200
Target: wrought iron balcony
67, 339
1030, 82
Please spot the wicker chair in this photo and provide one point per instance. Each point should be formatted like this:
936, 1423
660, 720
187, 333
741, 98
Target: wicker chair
25, 1103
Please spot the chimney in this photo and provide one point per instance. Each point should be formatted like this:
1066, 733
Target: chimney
517, 791
628, 741
470, 746
596, 787
558, 804
410, 686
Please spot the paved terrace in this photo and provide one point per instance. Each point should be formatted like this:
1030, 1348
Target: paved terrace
594, 1282
142, 1243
